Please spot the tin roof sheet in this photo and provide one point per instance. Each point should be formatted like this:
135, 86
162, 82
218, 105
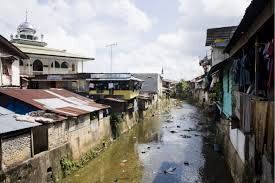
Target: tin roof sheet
56, 100
8, 122
222, 34
38, 50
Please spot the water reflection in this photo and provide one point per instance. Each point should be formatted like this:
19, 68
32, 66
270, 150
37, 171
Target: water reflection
165, 148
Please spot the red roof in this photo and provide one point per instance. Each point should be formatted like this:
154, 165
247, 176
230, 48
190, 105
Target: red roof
56, 100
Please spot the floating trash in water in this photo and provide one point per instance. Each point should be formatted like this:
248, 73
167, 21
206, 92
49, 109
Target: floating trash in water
186, 163
178, 126
169, 170
173, 131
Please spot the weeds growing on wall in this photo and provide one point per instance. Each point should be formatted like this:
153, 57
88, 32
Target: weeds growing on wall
68, 165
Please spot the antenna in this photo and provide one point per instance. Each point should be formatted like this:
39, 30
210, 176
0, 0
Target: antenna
111, 54
26, 18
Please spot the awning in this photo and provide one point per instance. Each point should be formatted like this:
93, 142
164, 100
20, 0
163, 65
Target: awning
219, 66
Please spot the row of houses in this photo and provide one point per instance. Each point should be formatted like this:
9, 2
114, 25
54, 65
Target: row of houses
239, 81
50, 108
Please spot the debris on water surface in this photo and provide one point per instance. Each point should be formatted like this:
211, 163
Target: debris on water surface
185, 136
170, 170
173, 131
158, 147
169, 121
186, 163
143, 152
124, 161
178, 126
148, 147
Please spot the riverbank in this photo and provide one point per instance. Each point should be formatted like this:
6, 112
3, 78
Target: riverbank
173, 146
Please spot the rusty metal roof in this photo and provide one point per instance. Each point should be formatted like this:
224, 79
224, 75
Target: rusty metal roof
59, 101
217, 35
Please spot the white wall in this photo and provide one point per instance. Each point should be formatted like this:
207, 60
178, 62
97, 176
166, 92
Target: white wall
218, 55
238, 140
15, 73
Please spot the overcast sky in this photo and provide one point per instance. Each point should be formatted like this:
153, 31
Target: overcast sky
150, 34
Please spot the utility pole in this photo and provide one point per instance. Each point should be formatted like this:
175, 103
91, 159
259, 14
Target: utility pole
111, 55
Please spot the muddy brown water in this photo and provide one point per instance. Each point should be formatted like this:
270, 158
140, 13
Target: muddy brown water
171, 147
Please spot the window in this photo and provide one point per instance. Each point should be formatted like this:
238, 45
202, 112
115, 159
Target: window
73, 67
23, 36
37, 65
29, 37
64, 65
21, 63
57, 65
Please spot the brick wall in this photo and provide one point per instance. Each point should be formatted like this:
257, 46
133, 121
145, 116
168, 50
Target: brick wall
57, 134
16, 149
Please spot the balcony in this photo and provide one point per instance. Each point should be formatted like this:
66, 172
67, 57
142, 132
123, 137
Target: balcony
123, 94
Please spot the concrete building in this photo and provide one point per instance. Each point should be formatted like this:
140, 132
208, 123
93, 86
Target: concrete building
9, 63
71, 118
16, 139
152, 83
43, 60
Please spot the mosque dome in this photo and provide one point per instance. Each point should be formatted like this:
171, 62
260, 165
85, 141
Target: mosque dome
26, 26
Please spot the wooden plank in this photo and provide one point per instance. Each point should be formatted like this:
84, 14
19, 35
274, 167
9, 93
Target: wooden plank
270, 128
261, 108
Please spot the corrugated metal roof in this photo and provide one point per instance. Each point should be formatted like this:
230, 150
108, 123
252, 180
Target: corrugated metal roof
8, 122
115, 100
112, 77
38, 50
56, 100
151, 82
222, 34
252, 12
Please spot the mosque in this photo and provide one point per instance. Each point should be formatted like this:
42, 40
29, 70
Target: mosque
43, 60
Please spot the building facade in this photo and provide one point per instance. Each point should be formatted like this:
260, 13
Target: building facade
44, 60
9, 63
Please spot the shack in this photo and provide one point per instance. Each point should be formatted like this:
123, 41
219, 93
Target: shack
70, 118
16, 139
247, 87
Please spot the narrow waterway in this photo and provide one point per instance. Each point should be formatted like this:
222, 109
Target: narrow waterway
174, 146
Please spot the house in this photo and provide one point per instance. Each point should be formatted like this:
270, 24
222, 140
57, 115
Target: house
66, 118
43, 60
73, 82
152, 83
9, 63
122, 86
198, 89
16, 139
247, 95
168, 87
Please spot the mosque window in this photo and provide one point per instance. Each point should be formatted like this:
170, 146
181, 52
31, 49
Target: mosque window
73, 67
64, 65
57, 64
29, 37
37, 65
23, 36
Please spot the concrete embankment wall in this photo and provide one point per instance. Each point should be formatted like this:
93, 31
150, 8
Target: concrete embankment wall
235, 152
44, 167
71, 138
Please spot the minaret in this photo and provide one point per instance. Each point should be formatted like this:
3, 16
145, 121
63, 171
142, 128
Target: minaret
26, 34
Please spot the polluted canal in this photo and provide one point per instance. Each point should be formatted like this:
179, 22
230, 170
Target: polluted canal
172, 146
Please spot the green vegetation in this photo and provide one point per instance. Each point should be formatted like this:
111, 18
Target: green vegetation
116, 118
215, 94
183, 90
68, 165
